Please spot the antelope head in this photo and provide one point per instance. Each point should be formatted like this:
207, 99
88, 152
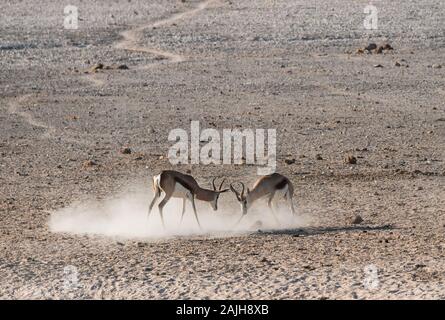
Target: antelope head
242, 198
217, 192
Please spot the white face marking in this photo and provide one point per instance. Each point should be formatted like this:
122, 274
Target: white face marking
214, 204
244, 206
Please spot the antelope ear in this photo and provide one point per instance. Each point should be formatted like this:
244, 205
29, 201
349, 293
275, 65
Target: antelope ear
225, 190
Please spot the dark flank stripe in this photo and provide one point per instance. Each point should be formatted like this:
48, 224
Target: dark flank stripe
183, 183
281, 184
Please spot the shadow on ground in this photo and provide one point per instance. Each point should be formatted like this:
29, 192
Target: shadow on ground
323, 230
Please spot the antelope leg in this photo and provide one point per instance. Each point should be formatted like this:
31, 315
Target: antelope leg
152, 204
192, 199
161, 206
271, 207
183, 210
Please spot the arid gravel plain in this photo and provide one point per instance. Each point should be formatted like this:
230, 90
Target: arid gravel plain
85, 116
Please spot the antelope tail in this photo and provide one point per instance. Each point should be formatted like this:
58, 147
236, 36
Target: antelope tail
156, 186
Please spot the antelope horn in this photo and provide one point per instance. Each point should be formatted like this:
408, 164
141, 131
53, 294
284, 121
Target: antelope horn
220, 186
235, 192
213, 183
242, 192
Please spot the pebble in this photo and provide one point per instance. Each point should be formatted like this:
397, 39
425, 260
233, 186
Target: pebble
357, 220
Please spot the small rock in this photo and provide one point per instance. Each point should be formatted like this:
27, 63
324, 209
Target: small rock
351, 159
436, 66
357, 220
89, 163
126, 150
72, 117
387, 46
397, 64
371, 46
289, 161
96, 67
309, 267
318, 157
116, 67
378, 66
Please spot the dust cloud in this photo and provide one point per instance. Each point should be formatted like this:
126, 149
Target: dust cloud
125, 215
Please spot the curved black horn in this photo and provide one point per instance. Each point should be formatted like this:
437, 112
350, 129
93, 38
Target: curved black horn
213, 183
235, 192
242, 192
220, 186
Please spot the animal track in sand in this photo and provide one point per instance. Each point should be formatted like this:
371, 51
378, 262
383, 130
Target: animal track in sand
15, 106
129, 41
131, 37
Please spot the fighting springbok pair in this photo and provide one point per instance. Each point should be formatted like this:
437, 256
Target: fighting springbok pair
178, 185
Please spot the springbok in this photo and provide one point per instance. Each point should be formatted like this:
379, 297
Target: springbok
266, 186
178, 185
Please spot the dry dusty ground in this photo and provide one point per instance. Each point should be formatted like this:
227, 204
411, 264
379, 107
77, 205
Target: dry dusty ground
286, 64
